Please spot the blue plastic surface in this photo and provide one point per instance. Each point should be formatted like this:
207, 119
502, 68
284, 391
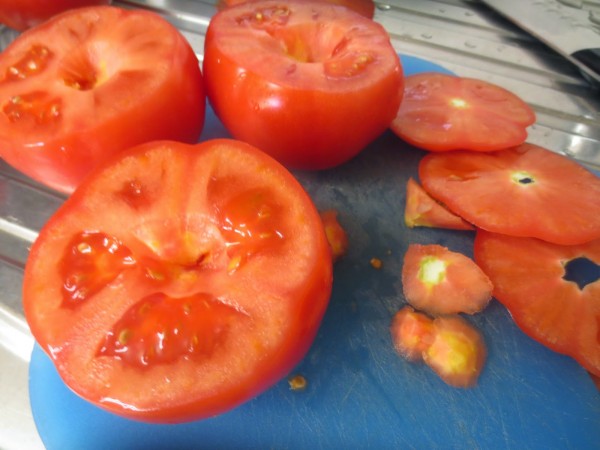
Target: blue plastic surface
360, 394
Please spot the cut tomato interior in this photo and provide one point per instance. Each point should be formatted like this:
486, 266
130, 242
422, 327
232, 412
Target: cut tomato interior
179, 281
524, 191
535, 281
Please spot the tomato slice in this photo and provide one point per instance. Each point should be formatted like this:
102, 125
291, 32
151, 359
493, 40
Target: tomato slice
179, 281
310, 83
525, 191
441, 112
412, 333
439, 281
457, 353
23, 14
363, 7
534, 279
422, 210
92, 82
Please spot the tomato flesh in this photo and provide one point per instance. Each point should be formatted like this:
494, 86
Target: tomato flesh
171, 304
439, 281
92, 82
532, 279
308, 82
421, 210
412, 333
442, 112
336, 235
363, 7
525, 191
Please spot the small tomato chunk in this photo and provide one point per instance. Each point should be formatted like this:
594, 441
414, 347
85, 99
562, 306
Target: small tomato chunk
422, 210
412, 333
457, 353
336, 235
439, 281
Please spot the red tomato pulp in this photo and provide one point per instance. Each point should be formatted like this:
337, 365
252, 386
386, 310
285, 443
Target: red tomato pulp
166, 304
310, 83
92, 82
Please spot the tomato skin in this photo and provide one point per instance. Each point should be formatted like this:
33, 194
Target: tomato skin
529, 279
310, 90
442, 112
23, 14
253, 307
68, 100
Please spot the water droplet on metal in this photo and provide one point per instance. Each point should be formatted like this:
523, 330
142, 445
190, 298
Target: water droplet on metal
426, 35
470, 44
383, 6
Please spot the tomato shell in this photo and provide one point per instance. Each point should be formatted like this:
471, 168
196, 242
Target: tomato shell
310, 83
23, 14
421, 210
529, 279
216, 273
92, 82
525, 191
439, 281
441, 112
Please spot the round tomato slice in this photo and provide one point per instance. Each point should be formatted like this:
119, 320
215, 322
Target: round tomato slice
442, 112
552, 291
525, 191
179, 281
92, 82
23, 14
310, 83
363, 7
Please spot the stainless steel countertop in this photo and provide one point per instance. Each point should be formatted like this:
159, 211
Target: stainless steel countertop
464, 36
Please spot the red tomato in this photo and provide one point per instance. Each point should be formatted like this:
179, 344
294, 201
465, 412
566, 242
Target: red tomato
308, 82
363, 7
92, 82
421, 210
525, 191
336, 235
457, 353
167, 302
412, 333
439, 281
23, 14
532, 279
442, 112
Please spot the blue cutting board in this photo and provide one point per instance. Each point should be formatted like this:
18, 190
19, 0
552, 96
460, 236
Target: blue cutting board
360, 394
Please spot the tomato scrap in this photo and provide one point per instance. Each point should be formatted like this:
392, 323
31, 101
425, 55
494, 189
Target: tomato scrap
336, 235
525, 191
441, 112
439, 281
422, 210
164, 304
449, 345
310, 83
533, 279
91, 82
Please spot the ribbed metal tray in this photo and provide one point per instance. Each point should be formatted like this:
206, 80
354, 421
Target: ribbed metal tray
465, 36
